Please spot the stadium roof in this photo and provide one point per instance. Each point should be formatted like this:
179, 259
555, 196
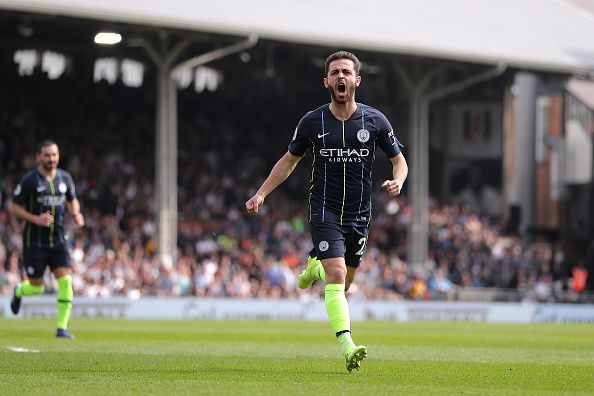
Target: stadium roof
547, 35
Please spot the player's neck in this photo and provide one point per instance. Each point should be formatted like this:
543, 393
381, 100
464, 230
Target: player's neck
49, 175
343, 111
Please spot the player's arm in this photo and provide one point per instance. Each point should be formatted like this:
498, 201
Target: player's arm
399, 173
279, 173
74, 208
44, 220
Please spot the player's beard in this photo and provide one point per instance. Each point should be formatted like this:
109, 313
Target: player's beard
48, 165
341, 100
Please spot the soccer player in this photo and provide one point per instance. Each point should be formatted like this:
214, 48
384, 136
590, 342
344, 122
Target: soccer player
343, 136
40, 199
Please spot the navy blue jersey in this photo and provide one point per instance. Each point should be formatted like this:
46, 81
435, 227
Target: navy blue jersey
343, 155
38, 195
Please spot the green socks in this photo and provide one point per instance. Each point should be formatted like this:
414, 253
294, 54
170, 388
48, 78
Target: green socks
321, 271
338, 312
27, 289
318, 268
337, 307
65, 295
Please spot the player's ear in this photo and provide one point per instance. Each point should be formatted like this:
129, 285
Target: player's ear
358, 80
325, 82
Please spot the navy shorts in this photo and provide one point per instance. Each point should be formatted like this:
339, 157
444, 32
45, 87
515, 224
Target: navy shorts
36, 259
333, 240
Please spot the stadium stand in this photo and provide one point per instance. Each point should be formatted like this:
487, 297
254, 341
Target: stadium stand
222, 253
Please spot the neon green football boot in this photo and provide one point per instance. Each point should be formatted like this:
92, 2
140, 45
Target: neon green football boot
313, 272
354, 356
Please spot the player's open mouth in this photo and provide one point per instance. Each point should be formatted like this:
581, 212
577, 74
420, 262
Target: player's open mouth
341, 87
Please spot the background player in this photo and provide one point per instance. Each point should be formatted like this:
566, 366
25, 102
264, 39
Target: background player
40, 199
343, 136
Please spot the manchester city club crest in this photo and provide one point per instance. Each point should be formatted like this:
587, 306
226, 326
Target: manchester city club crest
62, 187
363, 135
324, 245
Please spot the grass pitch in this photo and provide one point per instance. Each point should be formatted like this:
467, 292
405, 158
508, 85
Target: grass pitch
291, 358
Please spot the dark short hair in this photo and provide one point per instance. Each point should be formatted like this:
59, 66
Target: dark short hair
343, 55
45, 143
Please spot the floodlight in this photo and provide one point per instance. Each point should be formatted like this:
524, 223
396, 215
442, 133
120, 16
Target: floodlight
108, 38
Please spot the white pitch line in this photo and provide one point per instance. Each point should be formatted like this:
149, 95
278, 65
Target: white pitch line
21, 349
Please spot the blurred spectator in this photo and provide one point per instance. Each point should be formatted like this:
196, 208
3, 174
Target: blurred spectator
579, 276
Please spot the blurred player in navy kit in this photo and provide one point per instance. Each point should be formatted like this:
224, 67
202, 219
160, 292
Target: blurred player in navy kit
343, 136
40, 199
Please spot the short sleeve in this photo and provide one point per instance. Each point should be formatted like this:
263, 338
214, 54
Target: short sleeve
387, 139
301, 141
23, 190
70, 189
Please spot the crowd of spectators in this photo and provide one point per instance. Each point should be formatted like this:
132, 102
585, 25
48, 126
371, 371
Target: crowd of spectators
108, 144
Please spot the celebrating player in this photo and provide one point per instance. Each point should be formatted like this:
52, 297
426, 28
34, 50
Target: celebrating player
342, 136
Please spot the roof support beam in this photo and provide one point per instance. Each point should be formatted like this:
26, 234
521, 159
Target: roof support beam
166, 134
420, 99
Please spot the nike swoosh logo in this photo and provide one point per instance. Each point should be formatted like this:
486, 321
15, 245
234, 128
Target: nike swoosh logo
40, 189
321, 135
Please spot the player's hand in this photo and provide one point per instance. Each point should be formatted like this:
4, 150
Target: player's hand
45, 219
392, 187
79, 219
254, 204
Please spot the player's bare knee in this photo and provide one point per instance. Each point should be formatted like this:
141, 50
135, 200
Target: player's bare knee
36, 281
62, 271
335, 275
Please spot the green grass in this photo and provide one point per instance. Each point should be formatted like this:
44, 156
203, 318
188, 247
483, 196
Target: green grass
290, 358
